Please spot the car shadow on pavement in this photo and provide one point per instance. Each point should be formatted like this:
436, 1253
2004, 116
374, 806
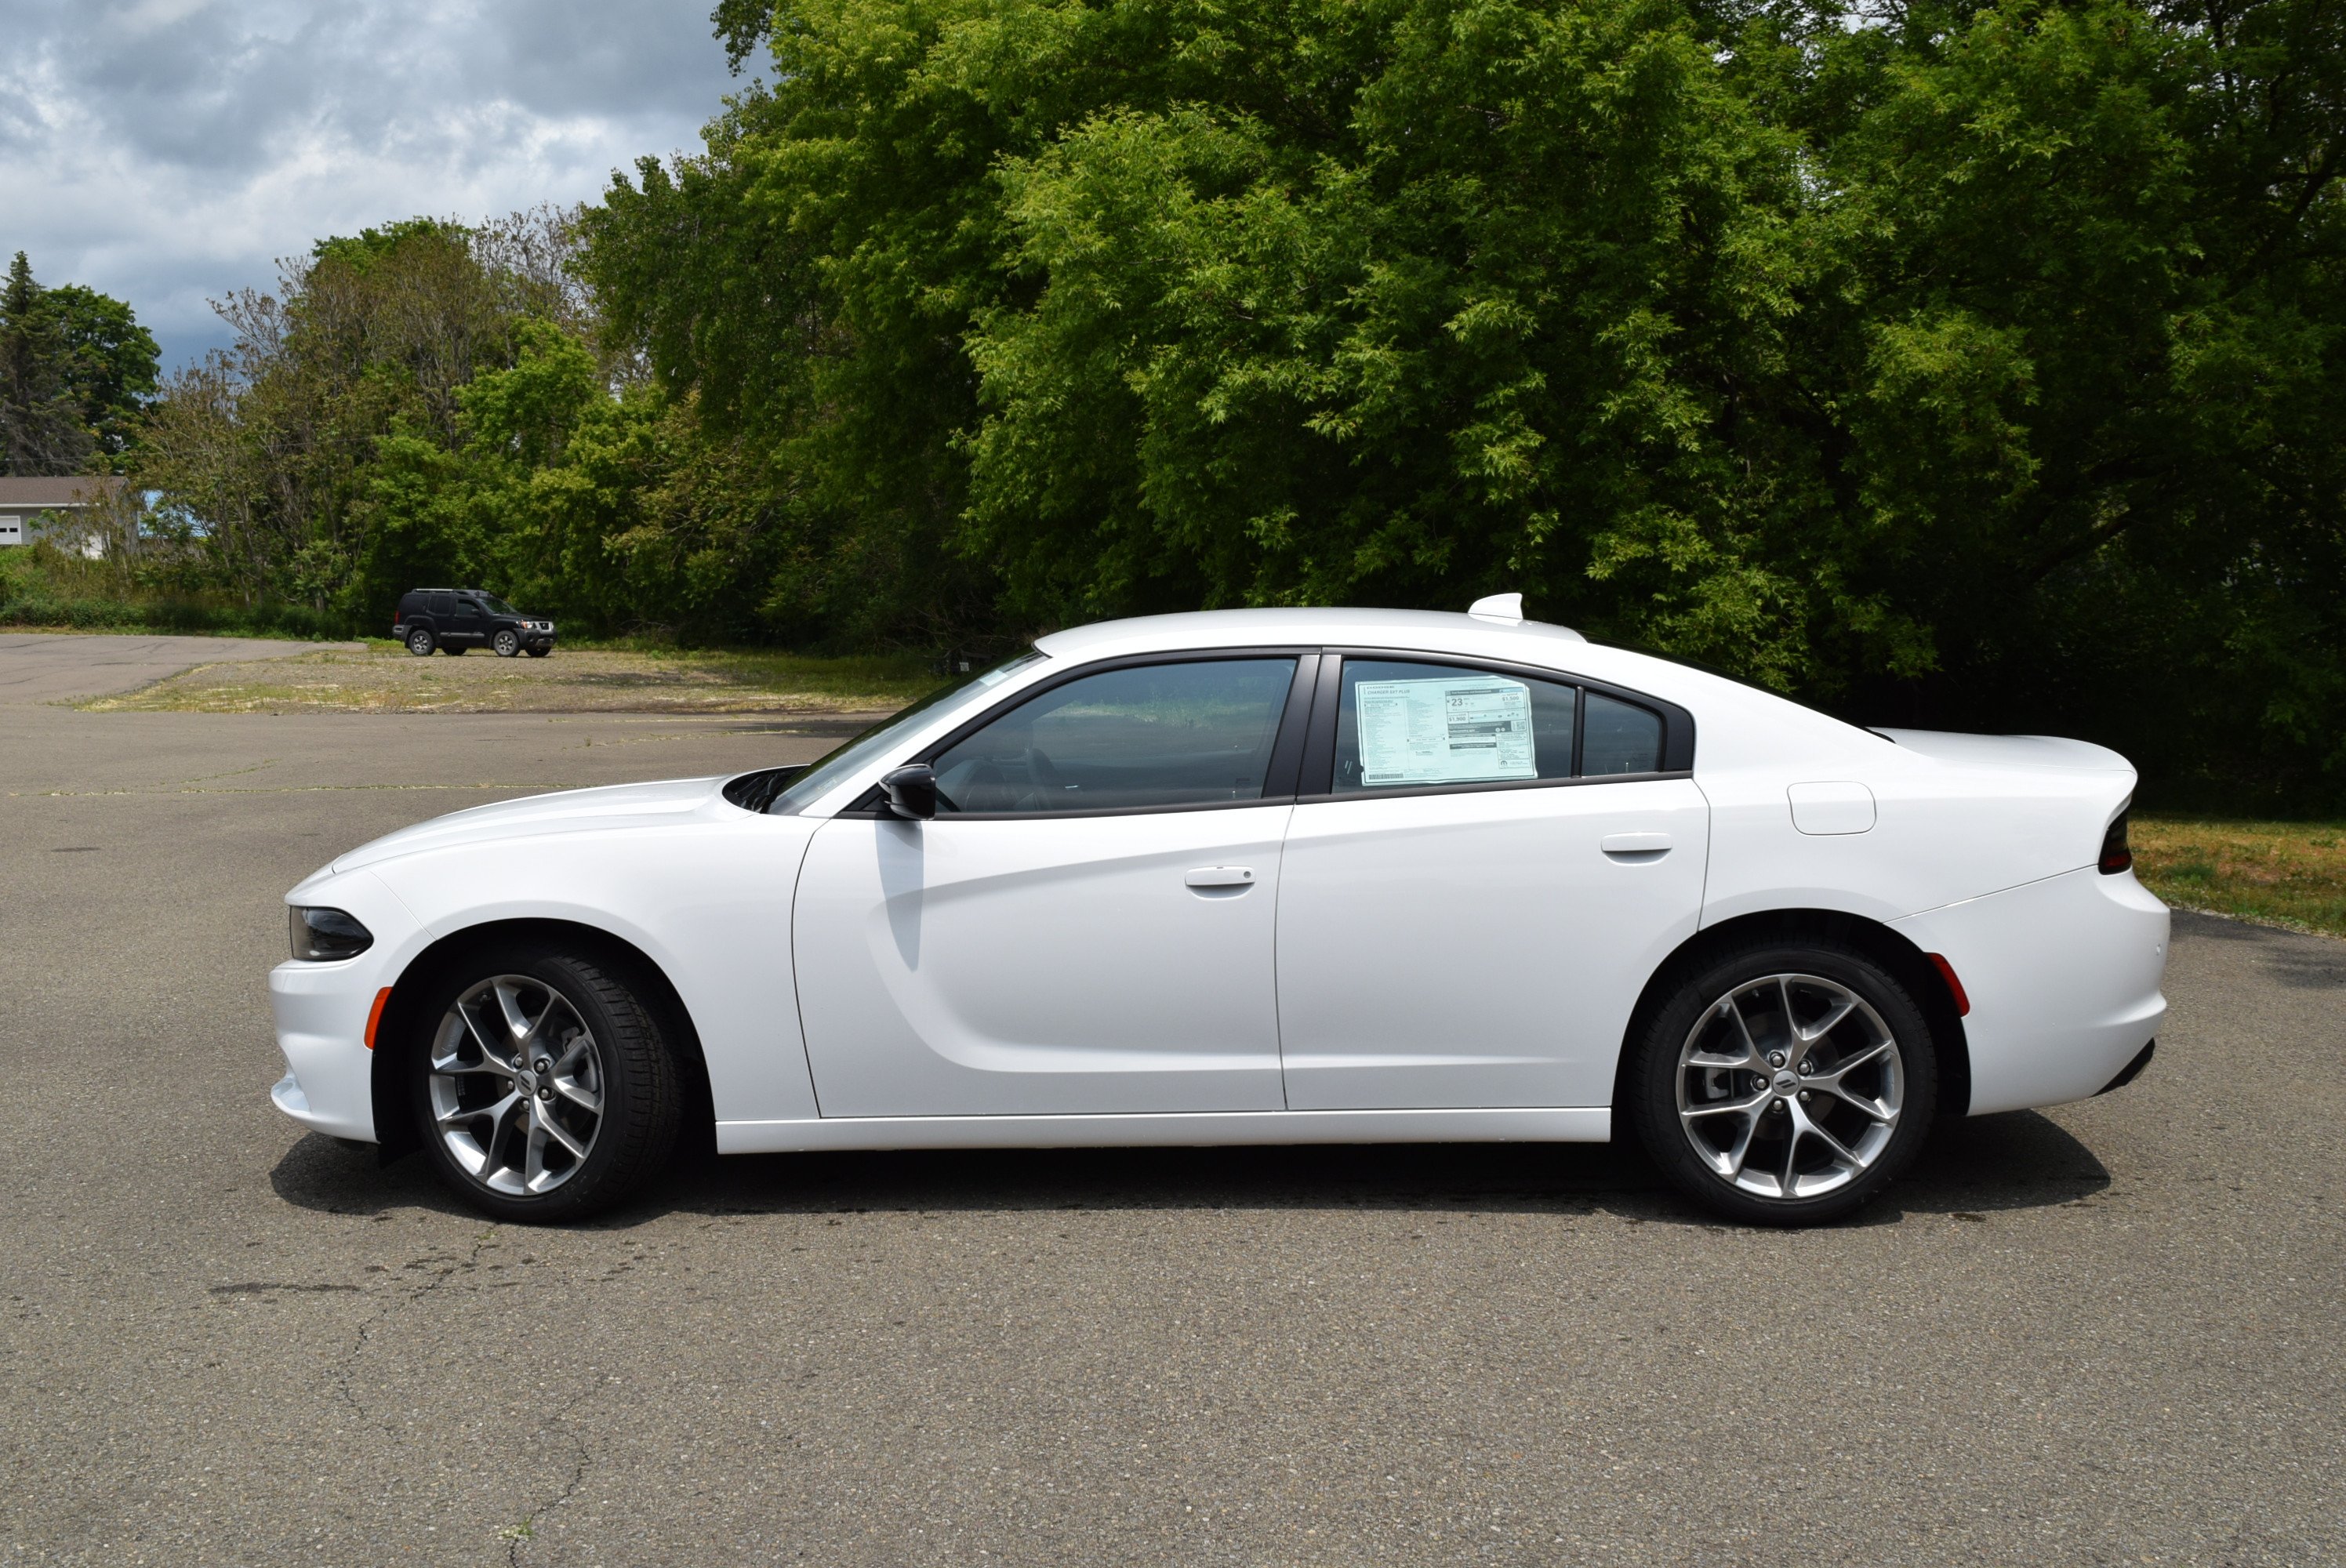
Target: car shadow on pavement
2294, 959
2015, 1161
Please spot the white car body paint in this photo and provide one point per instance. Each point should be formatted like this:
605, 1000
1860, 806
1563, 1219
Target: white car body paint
1427, 966
1478, 949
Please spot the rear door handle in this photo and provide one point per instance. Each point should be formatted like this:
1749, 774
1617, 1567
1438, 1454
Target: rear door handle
1221, 877
1635, 843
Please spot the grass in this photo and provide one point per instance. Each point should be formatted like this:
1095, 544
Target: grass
2290, 874
377, 676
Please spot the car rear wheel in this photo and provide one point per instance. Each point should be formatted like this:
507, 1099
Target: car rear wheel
420, 642
1784, 1083
543, 1090
508, 644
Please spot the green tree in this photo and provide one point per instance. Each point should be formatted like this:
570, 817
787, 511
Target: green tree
41, 426
110, 366
1966, 362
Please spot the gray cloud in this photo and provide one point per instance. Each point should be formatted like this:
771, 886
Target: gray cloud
169, 150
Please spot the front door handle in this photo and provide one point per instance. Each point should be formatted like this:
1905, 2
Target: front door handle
1220, 876
1640, 844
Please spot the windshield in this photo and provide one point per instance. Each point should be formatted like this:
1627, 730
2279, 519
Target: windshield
819, 779
498, 607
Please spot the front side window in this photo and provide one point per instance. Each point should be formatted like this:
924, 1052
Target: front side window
498, 607
1407, 726
1191, 734
831, 769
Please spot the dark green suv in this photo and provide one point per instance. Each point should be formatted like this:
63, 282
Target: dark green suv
454, 619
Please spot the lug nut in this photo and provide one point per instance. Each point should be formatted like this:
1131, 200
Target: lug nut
1804, 1095
544, 1063
1775, 1058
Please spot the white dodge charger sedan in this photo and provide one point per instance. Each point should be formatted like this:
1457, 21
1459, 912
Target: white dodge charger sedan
1259, 876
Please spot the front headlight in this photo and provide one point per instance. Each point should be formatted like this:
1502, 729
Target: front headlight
320, 935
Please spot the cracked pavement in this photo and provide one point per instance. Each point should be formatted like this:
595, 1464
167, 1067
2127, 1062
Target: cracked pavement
2111, 1332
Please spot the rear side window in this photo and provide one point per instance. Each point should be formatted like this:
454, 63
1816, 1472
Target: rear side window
1621, 737
1406, 726
1190, 734
441, 604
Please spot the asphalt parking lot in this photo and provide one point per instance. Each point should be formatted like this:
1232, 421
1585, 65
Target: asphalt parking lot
2115, 1332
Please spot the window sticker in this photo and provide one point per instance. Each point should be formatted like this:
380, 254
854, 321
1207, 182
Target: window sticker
1457, 730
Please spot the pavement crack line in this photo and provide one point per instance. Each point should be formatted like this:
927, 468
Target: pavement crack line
346, 1364
520, 1535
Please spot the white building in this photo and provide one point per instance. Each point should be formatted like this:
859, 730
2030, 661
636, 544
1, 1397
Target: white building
31, 507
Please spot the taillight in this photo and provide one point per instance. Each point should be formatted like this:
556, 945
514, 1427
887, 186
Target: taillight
2117, 854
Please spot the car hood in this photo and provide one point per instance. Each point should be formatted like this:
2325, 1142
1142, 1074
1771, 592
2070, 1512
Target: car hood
2023, 751
612, 805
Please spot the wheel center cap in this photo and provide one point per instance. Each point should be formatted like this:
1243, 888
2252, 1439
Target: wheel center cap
1787, 1081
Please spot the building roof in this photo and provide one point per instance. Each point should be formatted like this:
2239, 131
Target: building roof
66, 490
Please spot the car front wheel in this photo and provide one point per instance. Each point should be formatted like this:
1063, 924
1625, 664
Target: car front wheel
419, 642
544, 1089
508, 644
1784, 1083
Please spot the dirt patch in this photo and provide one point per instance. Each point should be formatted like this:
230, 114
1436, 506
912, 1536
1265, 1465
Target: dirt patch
385, 678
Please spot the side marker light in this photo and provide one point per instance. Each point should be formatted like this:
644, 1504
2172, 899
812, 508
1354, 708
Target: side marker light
1946, 973
374, 1014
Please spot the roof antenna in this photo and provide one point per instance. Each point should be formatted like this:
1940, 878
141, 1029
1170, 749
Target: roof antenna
1506, 609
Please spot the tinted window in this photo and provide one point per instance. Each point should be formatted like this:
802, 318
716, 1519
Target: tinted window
1403, 726
498, 607
444, 603
1620, 739
1158, 735
834, 766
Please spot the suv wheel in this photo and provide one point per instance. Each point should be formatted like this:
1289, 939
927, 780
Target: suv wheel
1784, 1083
539, 650
419, 642
544, 1090
507, 643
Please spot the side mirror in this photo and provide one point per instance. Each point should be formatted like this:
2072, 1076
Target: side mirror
911, 791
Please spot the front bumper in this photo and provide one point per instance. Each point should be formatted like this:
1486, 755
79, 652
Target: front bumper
2063, 980
322, 1009
322, 1012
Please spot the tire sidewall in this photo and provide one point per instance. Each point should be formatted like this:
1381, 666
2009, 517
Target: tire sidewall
1651, 1081
423, 637
602, 1179
507, 644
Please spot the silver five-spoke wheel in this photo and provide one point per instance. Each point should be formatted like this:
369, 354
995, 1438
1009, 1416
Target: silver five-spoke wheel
517, 1085
1790, 1087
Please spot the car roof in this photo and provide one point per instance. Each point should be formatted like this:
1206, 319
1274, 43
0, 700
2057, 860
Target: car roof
1429, 629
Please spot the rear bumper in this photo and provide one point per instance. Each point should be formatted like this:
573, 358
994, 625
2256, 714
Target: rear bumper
2063, 980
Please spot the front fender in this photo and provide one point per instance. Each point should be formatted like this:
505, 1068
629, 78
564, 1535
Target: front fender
707, 901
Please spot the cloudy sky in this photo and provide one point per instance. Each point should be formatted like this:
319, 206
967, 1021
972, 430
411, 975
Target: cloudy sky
167, 151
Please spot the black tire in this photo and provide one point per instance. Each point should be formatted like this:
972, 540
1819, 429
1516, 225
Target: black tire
506, 643
636, 1083
420, 642
1812, 978
539, 652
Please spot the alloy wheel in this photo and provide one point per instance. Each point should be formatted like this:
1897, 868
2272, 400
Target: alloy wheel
1790, 1087
517, 1085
